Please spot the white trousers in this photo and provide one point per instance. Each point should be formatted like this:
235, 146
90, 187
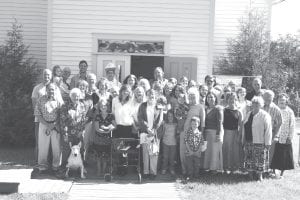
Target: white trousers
44, 145
149, 161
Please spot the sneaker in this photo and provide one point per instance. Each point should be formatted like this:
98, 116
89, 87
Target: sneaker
163, 172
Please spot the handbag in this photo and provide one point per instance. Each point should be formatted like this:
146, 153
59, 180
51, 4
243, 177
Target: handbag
153, 146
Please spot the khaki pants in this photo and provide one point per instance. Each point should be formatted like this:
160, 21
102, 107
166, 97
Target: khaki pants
149, 161
36, 135
44, 145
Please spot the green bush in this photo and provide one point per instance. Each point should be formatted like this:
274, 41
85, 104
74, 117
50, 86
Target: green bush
18, 74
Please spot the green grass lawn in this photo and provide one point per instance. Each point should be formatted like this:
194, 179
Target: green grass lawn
237, 187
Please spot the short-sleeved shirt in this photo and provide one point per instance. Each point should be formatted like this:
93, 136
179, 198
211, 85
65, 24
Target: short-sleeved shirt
47, 108
193, 139
40, 90
169, 137
231, 119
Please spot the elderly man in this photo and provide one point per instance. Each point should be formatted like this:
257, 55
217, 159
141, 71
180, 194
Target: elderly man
257, 90
276, 117
39, 91
110, 70
83, 66
47, 112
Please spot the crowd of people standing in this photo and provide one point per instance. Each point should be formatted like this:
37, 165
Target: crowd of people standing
184, 127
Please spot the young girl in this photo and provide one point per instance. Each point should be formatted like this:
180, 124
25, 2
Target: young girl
195, 144
169, 143
104, 124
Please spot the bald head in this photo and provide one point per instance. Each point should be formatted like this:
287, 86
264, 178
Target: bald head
47, 75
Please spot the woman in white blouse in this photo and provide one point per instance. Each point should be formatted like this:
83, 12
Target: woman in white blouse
283, 154
123, 112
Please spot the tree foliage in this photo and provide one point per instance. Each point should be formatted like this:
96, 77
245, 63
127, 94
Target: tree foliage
252, 53
18, 74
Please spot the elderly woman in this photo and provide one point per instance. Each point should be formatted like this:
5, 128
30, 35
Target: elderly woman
150, 119
214, 132
145, 84
283, 154
258, 136
73, 119
195, 110
47, 111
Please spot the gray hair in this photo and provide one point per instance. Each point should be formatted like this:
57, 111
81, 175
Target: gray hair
194, 91
270, 93
47, 71
259, 100
75, 91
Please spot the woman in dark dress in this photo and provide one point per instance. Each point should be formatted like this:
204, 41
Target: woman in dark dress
283, 154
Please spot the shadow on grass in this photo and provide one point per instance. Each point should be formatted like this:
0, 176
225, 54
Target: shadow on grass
16, 158
221, 179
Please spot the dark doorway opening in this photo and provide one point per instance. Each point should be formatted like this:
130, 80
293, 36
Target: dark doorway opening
145, 65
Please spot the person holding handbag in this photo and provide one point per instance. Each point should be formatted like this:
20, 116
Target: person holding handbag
150, 119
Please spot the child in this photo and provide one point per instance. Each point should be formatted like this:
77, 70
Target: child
104, 124
195, 144
169, 143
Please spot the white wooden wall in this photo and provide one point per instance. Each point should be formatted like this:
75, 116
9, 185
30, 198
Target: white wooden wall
73, 22
227, 15
32, 14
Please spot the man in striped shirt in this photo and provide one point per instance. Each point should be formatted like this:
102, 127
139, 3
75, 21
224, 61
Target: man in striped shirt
276, 117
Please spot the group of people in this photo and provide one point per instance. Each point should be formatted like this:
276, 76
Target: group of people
181, 124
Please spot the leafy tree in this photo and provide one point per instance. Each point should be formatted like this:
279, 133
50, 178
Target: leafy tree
252, 53
18, 74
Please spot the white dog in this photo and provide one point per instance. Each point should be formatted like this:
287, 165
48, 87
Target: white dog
75, 161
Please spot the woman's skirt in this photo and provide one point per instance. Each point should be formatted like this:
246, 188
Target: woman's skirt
283, 157
256, 157
231, 154
213, 158
123, 132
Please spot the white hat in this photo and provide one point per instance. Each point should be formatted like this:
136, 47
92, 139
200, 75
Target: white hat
110, 67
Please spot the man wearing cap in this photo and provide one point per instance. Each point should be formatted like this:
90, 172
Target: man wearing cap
82, 74
110, 70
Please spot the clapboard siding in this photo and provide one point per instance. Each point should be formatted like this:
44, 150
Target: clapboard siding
32, 14
187, 23
227, 15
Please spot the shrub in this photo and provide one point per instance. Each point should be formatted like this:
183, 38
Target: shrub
18, 75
